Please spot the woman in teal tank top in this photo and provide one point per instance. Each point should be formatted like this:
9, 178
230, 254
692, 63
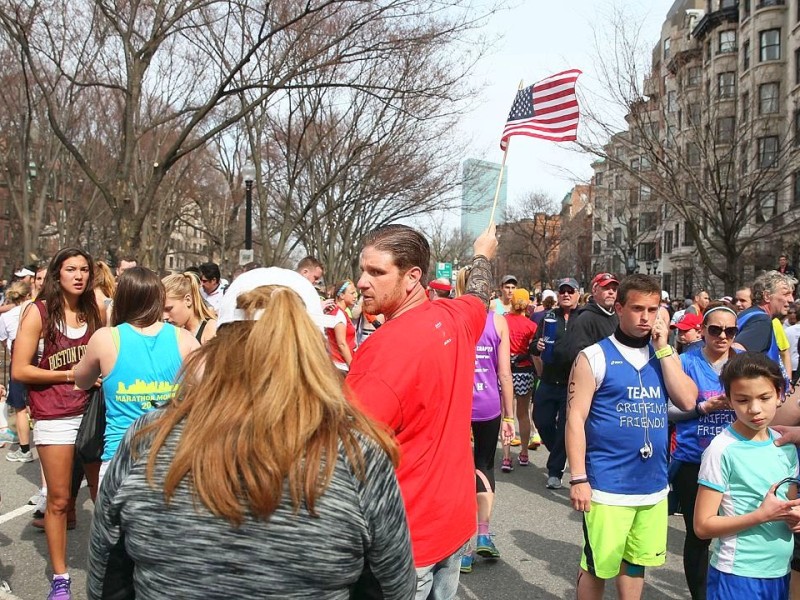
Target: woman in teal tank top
139, 358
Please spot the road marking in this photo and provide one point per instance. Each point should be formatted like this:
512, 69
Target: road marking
22, 510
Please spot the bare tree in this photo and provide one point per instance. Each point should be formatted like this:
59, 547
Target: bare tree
715, 162
531, 238
158, 81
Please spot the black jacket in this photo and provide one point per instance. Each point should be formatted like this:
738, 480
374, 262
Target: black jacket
588, 327
556, 372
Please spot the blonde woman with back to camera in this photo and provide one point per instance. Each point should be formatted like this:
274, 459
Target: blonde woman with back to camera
186, 308
260, 453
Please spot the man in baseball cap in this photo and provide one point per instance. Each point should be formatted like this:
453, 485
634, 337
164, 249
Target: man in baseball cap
688, 331
502, 305
597, 319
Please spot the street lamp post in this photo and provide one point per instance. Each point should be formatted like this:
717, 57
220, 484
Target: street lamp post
249, 174
631, 265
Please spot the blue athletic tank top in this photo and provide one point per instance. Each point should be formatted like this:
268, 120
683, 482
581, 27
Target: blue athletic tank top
485, 390
142, 379
694, 436
629, 408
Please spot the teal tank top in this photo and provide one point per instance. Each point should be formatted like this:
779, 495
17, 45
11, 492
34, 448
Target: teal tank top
142, 379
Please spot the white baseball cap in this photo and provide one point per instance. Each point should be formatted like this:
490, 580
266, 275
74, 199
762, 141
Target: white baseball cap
228, 312
23, 272
549, 294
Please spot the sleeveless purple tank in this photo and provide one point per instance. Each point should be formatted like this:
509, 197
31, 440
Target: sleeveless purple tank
485, 389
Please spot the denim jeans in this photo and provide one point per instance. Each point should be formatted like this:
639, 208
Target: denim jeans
439, 581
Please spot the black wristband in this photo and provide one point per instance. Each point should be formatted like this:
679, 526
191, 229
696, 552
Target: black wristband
577, 481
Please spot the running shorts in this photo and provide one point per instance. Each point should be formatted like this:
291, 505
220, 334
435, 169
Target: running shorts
523, 382
17, 394
56, 432
725, 586
635, 534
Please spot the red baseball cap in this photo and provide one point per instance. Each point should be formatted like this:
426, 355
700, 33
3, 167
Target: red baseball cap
439, 285
689, 321
603, 279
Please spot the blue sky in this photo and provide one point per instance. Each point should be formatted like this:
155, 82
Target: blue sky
538, 39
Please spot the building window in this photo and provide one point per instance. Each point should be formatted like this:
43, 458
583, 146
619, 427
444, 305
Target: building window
728, 4
596, 247
694, 113
693, 76
647, 222
767, 206
744, 161
727, 84
796, 189
797, 127
797, 63
746, 55
769, 45
645, 163
727, 41
634, 164
687, 238
666, 48
609, 241
618, 237
768, 152
672, 101
745, 9
644, 193
668, 241
764, 3
598, 225
598, 178
692, 154
768, 102
646, 251
745, 107
725, 128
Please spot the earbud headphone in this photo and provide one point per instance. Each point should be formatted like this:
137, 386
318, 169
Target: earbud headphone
646, 451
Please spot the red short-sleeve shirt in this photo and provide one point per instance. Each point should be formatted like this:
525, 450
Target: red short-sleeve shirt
415, 375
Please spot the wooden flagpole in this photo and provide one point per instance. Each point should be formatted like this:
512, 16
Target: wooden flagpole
502, 169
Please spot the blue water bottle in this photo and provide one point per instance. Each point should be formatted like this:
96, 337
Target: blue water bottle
549, 336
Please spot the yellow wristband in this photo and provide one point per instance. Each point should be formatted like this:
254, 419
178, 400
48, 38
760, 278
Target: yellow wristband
508, 419
664, 352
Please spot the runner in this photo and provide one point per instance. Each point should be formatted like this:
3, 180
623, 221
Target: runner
739, 502
492, 382
184, 306
260, 478
521, 331
550, 402
617, 442
696, 428
60, 323
502, 305
414, 374
138, 358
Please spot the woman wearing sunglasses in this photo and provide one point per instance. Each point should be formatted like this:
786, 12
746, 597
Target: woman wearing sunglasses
695, 429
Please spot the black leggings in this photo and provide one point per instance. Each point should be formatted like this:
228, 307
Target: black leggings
484, 446
695, 550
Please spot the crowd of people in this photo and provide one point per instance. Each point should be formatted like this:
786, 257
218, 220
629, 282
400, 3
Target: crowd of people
347, 434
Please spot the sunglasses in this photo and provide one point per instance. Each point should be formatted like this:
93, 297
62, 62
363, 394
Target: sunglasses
567, 292
716, 331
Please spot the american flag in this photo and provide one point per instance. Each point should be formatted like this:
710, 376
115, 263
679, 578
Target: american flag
547, 109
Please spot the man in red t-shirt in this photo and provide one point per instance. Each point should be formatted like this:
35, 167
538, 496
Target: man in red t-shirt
415, 375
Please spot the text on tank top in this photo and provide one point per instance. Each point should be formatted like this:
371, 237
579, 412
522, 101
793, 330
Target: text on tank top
60, 400
628, 410
485, 389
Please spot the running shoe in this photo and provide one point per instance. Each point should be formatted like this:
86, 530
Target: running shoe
515, 441
506, 466
535, 442
60, 589
5, 587
19, 456
523, 460
466, 562
486, 548
41, 505
554, 483
34, 500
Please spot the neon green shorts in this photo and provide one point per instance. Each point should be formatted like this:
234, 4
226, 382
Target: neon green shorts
635, 534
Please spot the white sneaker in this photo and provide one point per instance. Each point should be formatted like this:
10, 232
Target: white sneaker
19, 456
41, 505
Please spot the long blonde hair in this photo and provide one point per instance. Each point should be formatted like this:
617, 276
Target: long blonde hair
261, 405
178, 286
104, 279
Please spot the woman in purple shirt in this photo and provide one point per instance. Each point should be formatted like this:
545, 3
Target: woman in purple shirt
492, 379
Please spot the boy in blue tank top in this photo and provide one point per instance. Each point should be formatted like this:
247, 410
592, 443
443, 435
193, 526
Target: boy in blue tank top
743, 501
617, 442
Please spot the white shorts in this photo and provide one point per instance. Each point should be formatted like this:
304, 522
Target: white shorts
56, 432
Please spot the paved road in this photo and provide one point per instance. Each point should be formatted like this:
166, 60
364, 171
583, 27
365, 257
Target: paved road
536, 531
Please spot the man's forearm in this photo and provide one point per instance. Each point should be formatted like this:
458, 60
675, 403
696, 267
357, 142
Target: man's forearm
479, 282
